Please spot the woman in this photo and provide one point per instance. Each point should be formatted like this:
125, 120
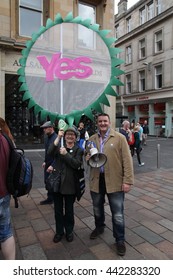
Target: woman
6, 235
84, 136
68, 159
137, 144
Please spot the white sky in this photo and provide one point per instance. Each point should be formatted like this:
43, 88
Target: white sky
129, 4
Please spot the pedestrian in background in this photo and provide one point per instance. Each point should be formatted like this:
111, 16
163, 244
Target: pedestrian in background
113, 179
140, 131
68, 159
137, 144
145, 132
125, 130
49, 137
83, 136
6, 234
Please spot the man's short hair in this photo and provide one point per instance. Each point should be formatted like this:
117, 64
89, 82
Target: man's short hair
103, 115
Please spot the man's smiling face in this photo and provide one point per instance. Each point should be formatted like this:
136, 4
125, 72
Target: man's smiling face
103, 123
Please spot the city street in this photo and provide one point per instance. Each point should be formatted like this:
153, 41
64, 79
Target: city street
157, 154
148, 215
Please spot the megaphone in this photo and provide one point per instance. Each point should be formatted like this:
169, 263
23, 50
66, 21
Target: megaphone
97, 159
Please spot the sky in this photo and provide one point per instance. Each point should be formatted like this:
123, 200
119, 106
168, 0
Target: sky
129, 4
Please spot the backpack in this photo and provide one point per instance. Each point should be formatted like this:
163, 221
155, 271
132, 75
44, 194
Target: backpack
20, 172
132, 142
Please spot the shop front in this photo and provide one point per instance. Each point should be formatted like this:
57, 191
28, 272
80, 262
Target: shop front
23, 124
158, 113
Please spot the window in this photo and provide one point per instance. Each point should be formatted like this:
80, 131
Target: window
117, 31
142, 48
158, 7
141, 80
158, 76
150, 10
30, 16
86, 38
128, 84
128, 54
158, 41
129, 23
142, 15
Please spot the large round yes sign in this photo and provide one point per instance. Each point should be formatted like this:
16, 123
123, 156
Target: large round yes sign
68, 69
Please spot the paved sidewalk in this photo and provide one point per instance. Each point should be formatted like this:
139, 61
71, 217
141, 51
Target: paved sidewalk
148, 215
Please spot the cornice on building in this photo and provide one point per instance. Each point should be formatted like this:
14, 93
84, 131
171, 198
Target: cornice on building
119, 16
7, 42
143, 27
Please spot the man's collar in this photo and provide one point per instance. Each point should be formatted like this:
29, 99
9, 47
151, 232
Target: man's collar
106, 134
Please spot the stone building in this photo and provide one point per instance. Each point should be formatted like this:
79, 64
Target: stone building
19, 19
145, 35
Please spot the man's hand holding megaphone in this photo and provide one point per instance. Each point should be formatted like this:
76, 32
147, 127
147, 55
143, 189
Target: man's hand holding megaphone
94, 157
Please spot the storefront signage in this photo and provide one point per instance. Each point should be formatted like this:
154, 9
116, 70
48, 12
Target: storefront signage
142, 98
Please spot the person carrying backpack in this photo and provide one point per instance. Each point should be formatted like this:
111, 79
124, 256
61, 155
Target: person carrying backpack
6, 234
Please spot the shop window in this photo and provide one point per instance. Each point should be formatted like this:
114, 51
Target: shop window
24, 125
142, 119
131, 108
144, 107
159, 107
159, 121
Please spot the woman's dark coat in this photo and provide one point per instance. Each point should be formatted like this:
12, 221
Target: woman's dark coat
68, 164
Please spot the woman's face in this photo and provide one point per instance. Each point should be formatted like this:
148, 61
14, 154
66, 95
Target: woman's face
70, 137
81, 125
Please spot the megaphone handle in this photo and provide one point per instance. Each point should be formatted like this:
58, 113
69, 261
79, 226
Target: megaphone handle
62, 141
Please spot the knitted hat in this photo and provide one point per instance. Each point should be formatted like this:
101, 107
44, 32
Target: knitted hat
72, 129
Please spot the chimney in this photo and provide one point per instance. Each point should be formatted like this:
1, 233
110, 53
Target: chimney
122, 7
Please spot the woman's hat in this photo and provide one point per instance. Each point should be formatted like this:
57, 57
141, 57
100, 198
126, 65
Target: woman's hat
72, 129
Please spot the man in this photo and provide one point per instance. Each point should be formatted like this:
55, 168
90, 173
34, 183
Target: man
125, 130
145, 132
50, 136
114, 179
7, 241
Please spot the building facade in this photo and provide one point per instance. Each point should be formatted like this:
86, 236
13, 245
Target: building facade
19, 19
145, 34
